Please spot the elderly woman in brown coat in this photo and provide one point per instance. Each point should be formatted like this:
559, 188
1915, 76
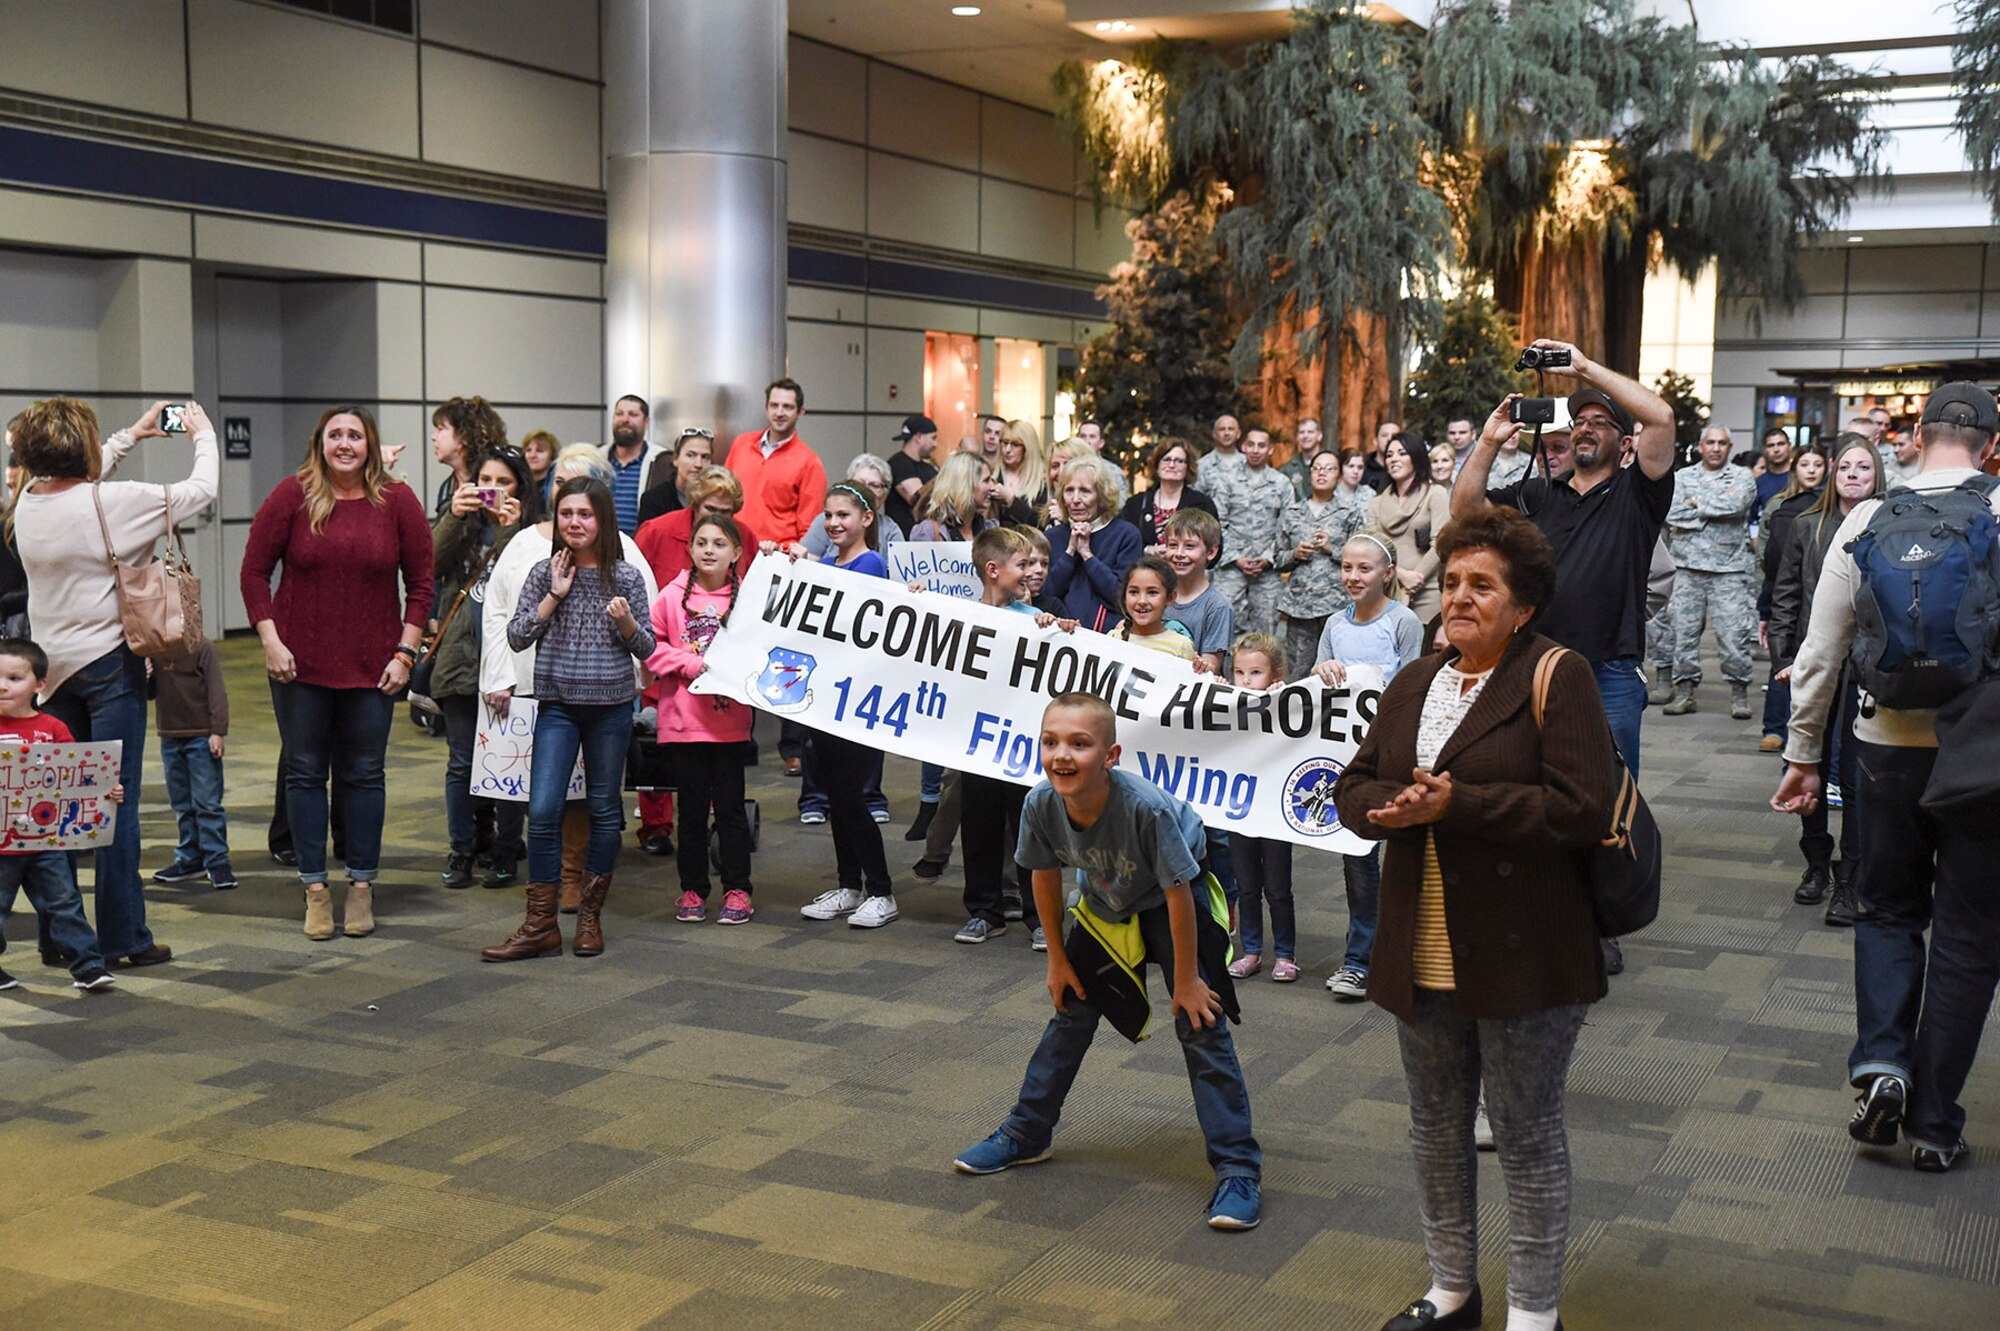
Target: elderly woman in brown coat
1486, 950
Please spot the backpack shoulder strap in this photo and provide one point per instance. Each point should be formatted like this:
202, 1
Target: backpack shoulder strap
1545, 670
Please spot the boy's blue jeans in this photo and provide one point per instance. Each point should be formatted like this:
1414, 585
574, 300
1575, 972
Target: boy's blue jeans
50, 882
194, 788
1221, 1100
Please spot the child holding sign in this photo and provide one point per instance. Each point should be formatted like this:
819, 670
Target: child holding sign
1146, 900
706, 734
47, 876
1263, 864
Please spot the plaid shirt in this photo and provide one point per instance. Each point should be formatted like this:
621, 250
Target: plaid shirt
580, 656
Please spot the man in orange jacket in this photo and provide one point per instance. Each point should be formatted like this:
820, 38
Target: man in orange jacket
784, 488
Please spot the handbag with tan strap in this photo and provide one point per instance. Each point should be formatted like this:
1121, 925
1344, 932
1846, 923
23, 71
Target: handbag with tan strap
159, 602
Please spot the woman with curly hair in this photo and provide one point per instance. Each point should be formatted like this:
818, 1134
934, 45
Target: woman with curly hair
463, 431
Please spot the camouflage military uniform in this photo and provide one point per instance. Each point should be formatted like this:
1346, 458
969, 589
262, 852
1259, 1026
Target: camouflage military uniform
1299, 472
1507, 468
1313, 590
1252, 507
1708, 532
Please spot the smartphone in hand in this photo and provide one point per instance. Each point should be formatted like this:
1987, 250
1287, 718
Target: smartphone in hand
173, 418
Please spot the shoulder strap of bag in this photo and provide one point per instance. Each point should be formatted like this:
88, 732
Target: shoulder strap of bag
97, 501
431, 643
1545, 670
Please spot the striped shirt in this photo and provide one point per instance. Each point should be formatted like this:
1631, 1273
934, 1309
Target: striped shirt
580, 656
1445, 707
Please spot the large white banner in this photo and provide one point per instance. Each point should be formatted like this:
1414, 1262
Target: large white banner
963, 685
936, 566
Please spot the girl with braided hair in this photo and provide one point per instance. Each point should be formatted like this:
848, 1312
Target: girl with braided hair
707, 732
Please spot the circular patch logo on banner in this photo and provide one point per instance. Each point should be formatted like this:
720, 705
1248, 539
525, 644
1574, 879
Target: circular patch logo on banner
1308, 797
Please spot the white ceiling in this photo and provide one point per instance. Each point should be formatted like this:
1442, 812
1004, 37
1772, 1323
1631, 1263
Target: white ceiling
1010, 50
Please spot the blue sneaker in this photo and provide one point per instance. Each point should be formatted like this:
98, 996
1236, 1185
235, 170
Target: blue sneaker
1000, 1152
1235, 1205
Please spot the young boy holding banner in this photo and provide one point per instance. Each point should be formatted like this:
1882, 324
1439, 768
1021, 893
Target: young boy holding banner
1146, 898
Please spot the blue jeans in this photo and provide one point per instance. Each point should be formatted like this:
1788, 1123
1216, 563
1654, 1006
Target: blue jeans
1221, 862
194, 788
49, 879
1777, 706
461, 806
1918, 1012
1364, 897
602, 733
930, 783
1221, 1100
812, 795
1263, 868
323, 727
105, 701
1623, 690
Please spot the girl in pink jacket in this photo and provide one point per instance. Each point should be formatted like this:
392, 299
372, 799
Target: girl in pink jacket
705, 733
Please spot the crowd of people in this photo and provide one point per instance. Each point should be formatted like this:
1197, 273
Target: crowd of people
1510, 585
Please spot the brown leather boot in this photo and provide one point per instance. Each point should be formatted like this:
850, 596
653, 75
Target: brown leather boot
589, 932
539, 934
575, 840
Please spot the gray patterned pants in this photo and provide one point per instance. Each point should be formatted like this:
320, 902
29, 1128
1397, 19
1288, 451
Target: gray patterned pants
1726, 600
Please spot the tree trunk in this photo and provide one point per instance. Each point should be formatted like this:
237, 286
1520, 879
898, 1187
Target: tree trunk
1562, 291
1365, 397
1624, 304
1290, 388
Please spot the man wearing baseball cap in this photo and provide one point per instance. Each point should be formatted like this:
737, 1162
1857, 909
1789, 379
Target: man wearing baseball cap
1918, 1010
910, 468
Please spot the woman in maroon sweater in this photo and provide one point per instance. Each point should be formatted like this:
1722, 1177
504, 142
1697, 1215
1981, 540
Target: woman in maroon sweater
339, 640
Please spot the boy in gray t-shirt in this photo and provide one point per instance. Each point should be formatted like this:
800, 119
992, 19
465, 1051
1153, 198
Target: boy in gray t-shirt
1140, 852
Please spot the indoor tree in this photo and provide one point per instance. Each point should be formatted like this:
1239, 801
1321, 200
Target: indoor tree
1975, 59
1468, 370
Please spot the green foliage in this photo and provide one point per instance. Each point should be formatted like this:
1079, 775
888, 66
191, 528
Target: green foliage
1160, 366
1116, 113
1319, 134
1975, 59
1690, 412
1468, 371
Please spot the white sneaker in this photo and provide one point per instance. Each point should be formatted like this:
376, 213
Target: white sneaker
811, 818
1349, 982
874, 913
879, 815
832, 905
1482, 1128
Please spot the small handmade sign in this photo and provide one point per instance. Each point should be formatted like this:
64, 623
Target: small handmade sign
57, 796
503, 754
936, 566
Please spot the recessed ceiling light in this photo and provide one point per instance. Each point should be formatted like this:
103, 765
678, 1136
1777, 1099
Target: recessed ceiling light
1104, 27
1856, 240
965, 11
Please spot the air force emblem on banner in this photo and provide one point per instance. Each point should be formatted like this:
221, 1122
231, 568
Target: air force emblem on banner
1308, 798
782, 683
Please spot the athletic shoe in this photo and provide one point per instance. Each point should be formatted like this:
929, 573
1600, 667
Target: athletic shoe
811, 817
94, 979
457, 871
8, 982
57, 958
976, 930
735, 907
1038, 941
879, 815
1284, 970
1930, 1160
1482, 1126
1879, 1115
1349, 984
832, 905
996, 1153
222, 878
874, 913
1833, 799
1235, 1204
501, 872
690, 909
927, 871
178, 872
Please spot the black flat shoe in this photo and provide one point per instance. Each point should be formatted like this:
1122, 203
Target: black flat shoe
1422, 1316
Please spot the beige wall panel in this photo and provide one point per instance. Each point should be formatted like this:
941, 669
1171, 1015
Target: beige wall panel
825, 304
895, 372
49, 310
548, 34
1016, 143
826, 184
927, 205
399, 340
922, 117
468, 266
926, 315
1815, 317
93, 224
1035, 327
828, 91
1101, 242
1887, 268
263, 68
114, 53
1938, 316
517, 122
1031, 225
522, 348
826, 359
304, 249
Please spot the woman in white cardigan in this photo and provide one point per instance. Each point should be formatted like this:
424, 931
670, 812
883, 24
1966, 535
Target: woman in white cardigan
96, 685
505, 674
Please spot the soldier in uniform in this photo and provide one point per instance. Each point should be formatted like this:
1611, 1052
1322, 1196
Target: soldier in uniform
1299, 469
1251, 503
1708, 530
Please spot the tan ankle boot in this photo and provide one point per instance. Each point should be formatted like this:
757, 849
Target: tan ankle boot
319, 913
575, 840
539, 934
589, 927
360, 909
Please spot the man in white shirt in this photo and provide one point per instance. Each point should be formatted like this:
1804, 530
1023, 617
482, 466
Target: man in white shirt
1918, 1011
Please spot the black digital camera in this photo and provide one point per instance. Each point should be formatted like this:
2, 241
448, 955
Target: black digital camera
1543, 358
1532, 411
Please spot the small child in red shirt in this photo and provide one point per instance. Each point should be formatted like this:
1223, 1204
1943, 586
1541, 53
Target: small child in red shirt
46, 875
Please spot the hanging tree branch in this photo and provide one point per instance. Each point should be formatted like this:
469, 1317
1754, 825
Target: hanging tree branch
1975, 59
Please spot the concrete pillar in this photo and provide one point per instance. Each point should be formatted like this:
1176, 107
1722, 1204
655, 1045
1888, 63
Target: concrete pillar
694, 132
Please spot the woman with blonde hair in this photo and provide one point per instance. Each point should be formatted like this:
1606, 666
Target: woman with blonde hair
96, 685
339, 641
1091, 547
1020, 475
954, 506
540, 447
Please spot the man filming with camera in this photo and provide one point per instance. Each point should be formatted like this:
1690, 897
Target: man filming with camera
1602, 519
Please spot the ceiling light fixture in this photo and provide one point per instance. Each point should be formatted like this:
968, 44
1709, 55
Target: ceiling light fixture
1856, 240
1104, 27
965, 11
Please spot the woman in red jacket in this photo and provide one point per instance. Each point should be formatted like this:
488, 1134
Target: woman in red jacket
339, 637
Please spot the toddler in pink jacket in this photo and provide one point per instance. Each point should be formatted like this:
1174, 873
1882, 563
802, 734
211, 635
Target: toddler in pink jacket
704, 734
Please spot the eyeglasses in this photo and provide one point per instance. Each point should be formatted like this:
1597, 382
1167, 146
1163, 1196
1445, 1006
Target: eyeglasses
696, 432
